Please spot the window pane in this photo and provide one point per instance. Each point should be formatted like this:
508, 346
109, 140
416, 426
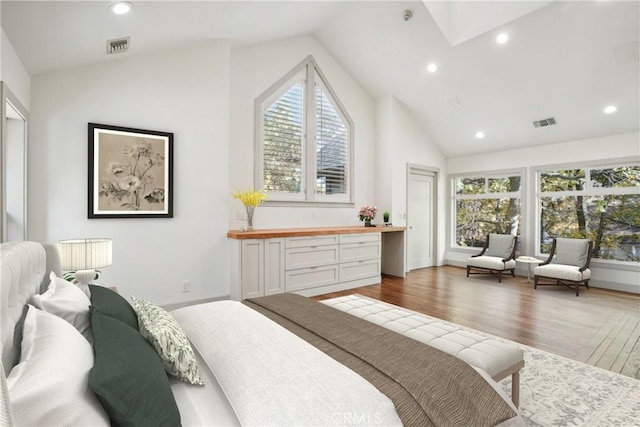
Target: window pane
628, 176
469, 185
611, 222
476, 218
562, 180
332, 142
504, 185
283, 144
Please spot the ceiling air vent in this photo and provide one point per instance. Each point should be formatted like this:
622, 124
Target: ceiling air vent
117, 45
544, 122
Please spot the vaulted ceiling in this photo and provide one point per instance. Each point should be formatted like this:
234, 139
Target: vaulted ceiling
564, 59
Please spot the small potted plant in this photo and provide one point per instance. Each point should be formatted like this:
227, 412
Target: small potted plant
385, 217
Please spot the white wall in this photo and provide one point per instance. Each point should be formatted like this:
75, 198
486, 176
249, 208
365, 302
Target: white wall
13, 73
253, 70
185, 92
596, 149
401, 140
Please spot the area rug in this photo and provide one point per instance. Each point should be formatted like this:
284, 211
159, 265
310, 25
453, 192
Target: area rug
556, 391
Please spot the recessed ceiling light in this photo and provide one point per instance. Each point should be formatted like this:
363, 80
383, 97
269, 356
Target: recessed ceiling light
479, 134
432, 68
502, 38
121, 8
610, 109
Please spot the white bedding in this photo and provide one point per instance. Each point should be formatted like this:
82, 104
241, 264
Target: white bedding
203, 405
268, 386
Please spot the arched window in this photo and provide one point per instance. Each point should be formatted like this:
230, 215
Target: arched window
303, 139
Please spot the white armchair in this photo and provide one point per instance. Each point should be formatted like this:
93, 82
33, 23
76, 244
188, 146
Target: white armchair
567, 265
496, 257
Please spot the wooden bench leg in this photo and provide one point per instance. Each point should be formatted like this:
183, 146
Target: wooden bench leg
515, 388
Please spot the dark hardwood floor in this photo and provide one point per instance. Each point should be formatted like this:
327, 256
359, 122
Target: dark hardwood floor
600, 327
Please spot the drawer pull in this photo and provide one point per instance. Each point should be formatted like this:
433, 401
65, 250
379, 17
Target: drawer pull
361, 261
362, 243
314, 267
313, 247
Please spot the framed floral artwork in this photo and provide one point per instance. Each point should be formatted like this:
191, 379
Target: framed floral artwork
130, 172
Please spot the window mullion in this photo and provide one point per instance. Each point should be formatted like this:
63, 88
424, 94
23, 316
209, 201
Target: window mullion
310, 135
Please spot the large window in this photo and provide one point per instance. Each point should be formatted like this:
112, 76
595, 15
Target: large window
485, 204
601, 203
304, 139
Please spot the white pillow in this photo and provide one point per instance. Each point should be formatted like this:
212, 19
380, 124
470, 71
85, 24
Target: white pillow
66, 300
49, 385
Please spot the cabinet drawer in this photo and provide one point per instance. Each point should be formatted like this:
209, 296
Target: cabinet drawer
307, 278
310, 241
359, 237
311, 257
359, 270
359, 251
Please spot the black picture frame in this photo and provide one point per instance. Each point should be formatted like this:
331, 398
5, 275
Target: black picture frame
130, 172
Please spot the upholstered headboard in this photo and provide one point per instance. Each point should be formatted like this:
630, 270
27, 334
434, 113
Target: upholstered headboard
24, 271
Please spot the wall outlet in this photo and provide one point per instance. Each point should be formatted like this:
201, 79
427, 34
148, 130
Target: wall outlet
186, 286
241, 215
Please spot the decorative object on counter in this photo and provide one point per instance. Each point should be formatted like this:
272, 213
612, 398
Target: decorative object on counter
367, 213
83, 256
385, 216
130, 172
251, 199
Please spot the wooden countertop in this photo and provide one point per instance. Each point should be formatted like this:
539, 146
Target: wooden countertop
268, 233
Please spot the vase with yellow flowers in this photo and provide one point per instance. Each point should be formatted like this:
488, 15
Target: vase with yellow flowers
251, 199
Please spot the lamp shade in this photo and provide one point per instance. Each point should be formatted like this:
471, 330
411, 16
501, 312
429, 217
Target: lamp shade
84, 254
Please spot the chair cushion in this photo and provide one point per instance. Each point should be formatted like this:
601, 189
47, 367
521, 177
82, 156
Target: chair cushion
562, 272
491, 262
500, 245
571, 251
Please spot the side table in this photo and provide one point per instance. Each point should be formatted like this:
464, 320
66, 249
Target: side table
529, 261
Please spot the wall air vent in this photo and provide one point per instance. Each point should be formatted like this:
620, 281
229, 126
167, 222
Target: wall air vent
118, 45
544, 122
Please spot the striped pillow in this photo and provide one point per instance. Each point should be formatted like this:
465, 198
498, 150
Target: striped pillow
167, 338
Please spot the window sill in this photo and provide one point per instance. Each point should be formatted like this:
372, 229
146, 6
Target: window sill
306, 204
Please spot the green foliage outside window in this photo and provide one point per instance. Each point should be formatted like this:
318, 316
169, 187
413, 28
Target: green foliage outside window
283, 142
605, 209
486, 205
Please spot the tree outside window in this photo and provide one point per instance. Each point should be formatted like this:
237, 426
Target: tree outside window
600, 204
483, 205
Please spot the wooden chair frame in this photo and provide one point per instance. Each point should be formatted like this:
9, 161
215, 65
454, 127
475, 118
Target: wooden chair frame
564, 282
491, 270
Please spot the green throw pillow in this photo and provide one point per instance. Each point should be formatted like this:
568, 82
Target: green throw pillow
128, 377
113, 304
167, 338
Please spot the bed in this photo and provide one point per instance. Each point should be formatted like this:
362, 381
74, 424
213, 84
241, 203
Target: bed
286, 360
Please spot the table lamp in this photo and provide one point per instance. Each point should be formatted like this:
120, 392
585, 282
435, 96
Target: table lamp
84, 256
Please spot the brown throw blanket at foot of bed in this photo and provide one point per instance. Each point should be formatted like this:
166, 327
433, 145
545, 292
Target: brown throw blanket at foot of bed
426, 385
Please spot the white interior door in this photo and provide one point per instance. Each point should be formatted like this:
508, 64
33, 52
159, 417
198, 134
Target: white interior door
420, 218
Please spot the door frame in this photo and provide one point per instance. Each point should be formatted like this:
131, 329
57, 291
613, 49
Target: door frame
430, 170
7, 97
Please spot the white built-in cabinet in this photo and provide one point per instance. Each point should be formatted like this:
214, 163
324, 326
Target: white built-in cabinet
261, 267
308, 265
